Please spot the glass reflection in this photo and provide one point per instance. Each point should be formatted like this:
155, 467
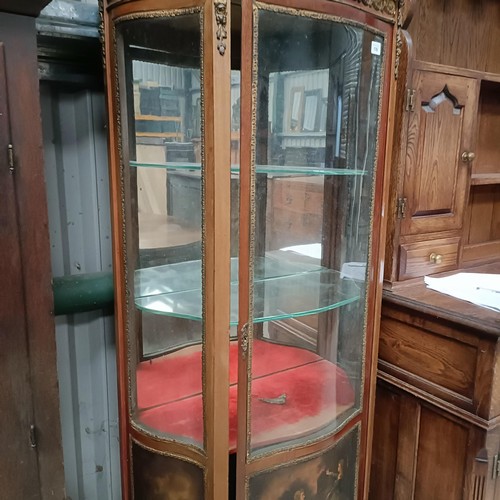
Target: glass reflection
318, 86
163, 216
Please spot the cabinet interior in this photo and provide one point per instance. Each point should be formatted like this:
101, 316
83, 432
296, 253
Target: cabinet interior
482, 219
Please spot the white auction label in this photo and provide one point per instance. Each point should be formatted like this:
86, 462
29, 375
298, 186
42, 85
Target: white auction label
376, 48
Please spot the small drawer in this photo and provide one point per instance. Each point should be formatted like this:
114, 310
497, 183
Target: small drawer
428, 257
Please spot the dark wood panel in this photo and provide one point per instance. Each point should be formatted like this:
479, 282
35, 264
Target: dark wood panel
494, 402
453, 33
425, 29
294, 211
487, 156
16, 416
484, 214
495, 220
385, 444
19, 36
459, 50
444, 362
479, 253
441, 458
407, 447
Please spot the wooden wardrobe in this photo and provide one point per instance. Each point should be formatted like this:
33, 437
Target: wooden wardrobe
31, 462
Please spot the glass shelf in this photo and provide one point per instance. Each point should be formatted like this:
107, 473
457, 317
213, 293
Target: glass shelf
282, 289
275, 170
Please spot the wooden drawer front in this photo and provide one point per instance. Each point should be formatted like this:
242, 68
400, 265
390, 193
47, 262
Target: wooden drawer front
443, 366
428, 257
295, 211
298, 194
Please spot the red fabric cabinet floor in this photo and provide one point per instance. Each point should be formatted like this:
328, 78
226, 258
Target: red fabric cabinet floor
295, 392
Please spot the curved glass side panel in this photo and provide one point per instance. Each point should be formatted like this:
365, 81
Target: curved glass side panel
159, 61
318, 86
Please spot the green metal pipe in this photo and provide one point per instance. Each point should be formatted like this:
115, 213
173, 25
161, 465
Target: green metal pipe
83, 293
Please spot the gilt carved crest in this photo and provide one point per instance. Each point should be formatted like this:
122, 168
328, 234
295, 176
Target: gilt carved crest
399, 38
384, 6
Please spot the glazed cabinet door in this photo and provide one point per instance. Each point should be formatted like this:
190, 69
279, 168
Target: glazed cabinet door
440, 149
312, 84
170, 186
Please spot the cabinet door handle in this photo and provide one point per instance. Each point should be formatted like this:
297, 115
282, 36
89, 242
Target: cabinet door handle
435, 258
468, 156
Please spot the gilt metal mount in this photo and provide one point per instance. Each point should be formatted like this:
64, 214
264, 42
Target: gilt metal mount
221, 20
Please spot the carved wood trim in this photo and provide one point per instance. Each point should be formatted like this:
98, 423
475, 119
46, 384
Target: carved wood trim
436, 401
481, 463
478, 488
384, 6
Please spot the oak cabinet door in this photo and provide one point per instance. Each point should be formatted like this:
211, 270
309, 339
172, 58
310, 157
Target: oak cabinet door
440, 132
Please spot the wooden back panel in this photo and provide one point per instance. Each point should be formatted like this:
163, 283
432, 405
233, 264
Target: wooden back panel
462, 33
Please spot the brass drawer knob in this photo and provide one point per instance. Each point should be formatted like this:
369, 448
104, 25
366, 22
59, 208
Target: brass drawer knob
468, 156
435, 258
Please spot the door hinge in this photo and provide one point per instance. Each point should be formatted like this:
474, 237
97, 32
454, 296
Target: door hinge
32, 436
401, 209
410, 100
495, 471
10, 155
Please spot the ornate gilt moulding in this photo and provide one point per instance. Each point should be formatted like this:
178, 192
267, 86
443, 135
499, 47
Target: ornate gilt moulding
387, 7
384, 6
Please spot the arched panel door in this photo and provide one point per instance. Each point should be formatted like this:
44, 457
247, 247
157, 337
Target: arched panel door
440, 143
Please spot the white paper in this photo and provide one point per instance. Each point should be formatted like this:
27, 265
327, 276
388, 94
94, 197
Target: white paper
312, 250
350, 270
354, 270
376, 48
480, 289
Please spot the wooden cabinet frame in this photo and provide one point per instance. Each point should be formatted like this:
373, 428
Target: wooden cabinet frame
439, 431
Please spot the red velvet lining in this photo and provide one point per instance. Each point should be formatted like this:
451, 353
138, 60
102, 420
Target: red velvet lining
178, 375
316, 390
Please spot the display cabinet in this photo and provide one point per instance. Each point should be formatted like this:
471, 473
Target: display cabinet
247, 164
